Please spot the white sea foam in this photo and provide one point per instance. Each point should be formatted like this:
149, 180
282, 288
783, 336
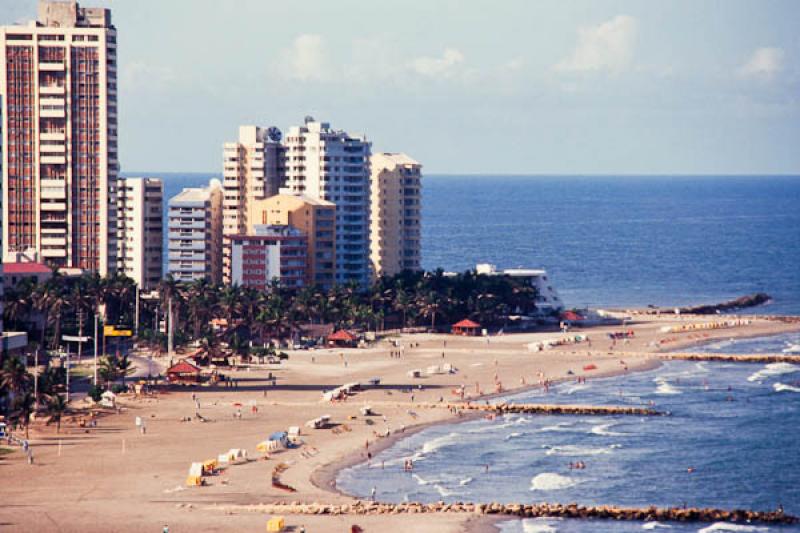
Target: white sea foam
575, 388
438, 443
465, 481
656, 525
444, 492
783, 387
561, 426
664, 387
513, 435
792, 348
551, 481
539, 525
423, 481
574, 450
602, 429
773, 369
727, 526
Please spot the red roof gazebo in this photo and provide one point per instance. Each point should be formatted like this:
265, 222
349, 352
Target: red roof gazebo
342, 338
466, 327
183, 372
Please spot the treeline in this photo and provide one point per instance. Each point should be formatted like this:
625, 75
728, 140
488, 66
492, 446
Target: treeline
63, 305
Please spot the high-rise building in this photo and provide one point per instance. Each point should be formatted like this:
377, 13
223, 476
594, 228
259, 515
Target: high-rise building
58, 78
140, 230
252, 170
269, 253
195, 234
395, 223
333, 165
315, 218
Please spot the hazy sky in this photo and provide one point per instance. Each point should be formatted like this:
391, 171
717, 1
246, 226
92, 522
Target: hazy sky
514, 86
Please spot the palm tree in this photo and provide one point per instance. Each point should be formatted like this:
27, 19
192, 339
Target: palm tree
56, 407
124, 367
21, 409
14, 377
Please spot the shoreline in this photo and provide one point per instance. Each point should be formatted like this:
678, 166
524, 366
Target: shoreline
133, 482
324, 477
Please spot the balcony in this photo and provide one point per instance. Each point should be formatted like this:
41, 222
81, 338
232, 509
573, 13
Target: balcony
53, 136
52, 90
54, 252
49, 66
53, 160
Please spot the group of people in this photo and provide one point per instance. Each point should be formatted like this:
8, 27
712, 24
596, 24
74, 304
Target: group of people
579, 465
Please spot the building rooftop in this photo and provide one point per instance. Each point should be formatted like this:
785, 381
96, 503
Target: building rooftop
284, 192
394, 158
26, 268
192, 195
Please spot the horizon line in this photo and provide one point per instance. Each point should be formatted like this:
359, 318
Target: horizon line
530, 175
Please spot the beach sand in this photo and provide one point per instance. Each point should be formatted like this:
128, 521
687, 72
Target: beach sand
113, 478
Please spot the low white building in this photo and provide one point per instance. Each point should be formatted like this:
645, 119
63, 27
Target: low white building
547, 299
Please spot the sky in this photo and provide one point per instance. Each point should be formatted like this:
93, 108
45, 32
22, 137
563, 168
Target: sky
466, 86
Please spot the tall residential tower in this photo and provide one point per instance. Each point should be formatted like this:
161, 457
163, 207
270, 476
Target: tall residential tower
333, 165
395, 224
58, 81
140, 225
252, 170
195, 234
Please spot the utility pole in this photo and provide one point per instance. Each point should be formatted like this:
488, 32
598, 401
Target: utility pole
36, 379
169, 328
95, 348
80, 334
67, 373
136, 318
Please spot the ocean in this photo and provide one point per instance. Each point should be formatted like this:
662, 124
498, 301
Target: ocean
616, 241
734, 424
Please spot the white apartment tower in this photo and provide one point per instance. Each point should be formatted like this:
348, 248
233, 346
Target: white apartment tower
395, 224
252, 170
195, 234
58, 80
333, 165
140, 230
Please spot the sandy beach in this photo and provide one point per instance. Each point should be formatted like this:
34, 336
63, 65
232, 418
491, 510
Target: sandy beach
114, 478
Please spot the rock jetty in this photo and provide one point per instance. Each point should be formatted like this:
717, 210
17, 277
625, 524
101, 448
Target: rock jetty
750, 300
734, 358
554, 409
531, 510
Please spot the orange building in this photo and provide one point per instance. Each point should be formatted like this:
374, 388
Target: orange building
315, 218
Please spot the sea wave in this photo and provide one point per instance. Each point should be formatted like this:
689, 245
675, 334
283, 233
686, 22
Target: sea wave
465, 481
602, 430
773, 369
783, 387
575, 450
656, 525
727, 526
792, 348
551, 481
444, 492
514, 435
539, 525
438, 443
561, 426
664, 387
423, 481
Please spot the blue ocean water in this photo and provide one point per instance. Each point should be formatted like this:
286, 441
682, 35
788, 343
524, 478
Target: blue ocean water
617, 241
736, 425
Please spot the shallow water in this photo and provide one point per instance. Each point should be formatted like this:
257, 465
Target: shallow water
735, 425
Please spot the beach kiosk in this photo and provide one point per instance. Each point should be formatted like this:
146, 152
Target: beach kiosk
183, 372
466, 328
342, 338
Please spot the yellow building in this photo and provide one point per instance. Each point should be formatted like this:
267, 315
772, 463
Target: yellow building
395, 225
315, 218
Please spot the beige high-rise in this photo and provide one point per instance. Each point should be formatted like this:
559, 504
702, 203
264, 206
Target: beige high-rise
333, 165
315, 218
58, 81
252, 170
140, 223
396, 201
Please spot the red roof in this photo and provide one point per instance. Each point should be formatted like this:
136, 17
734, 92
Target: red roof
26, 268
466, 324
571, 315
182, 367
341, 335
